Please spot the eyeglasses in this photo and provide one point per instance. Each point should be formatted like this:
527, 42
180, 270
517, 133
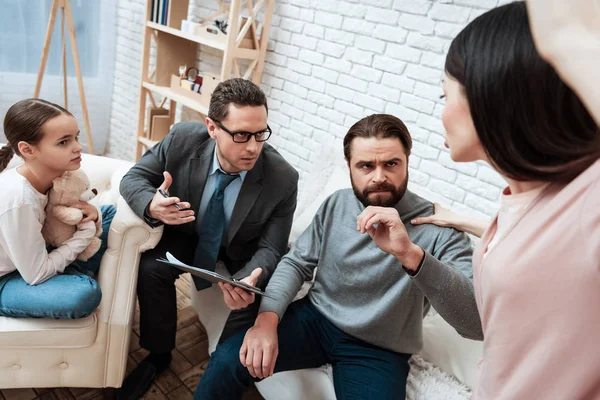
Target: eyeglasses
244, 137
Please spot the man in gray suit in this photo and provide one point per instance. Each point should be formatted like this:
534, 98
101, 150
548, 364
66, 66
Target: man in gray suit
226, 196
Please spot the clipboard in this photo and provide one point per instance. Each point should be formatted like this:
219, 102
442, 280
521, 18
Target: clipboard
210, 276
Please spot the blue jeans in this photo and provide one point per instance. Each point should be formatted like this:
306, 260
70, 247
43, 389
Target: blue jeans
308, 340
70, 295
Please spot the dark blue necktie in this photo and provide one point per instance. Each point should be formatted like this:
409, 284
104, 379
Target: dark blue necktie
212, 228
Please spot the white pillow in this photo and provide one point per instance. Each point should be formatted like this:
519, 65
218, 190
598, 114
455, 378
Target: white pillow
313, 183
339, 178
452, 353
109, 194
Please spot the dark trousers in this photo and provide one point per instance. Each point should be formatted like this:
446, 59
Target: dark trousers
158, 299
308, 340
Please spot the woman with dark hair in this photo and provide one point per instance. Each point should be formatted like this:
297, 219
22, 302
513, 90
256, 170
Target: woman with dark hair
537, 267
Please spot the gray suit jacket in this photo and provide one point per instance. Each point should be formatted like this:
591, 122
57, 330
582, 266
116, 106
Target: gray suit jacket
262, 216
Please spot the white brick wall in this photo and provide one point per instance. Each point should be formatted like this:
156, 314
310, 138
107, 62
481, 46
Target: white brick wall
126, 89
330, 63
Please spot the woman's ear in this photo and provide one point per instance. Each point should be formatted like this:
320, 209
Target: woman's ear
26, 150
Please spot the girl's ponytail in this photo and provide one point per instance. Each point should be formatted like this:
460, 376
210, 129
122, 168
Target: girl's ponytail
6, 154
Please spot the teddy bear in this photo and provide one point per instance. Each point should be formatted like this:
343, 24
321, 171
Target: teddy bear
62, 219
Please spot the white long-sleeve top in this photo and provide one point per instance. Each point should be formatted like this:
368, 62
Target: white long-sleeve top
22, 246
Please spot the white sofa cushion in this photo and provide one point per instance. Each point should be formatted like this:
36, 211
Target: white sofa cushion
48, 333
302, 384
105, 176
452, 353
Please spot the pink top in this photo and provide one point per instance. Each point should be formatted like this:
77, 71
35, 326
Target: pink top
512, 207
538, 294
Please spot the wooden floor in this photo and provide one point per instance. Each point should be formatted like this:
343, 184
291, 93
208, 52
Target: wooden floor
177, 383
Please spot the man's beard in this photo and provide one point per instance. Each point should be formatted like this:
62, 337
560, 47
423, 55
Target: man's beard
382, 200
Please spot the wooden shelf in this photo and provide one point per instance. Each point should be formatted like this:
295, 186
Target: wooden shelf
166, 48
249, 54
146, 142
179, 98
184, 35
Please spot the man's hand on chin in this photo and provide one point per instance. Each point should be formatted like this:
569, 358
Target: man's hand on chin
386, 229
237, 298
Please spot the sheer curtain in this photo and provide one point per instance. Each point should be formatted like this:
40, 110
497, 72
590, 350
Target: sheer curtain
22, 31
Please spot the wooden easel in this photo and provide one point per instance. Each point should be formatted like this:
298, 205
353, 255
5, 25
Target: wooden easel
65, 7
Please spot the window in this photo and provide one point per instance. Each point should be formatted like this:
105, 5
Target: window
23, 27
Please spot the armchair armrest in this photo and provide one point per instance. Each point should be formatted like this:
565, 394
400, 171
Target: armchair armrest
129, 236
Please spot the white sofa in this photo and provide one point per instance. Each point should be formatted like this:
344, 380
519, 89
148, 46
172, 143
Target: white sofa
446, 367
89, 352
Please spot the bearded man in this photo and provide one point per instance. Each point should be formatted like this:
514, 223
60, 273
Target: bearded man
377, 275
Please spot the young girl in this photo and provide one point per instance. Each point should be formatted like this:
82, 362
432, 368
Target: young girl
537, 267
33, 281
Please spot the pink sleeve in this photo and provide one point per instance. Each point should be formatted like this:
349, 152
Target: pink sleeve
590, 222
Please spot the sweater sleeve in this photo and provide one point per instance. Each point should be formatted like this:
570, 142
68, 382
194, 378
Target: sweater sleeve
446, 279
21, 237
295, 268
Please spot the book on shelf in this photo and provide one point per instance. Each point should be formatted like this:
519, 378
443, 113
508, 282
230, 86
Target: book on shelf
165, 12
154, 10
160, 11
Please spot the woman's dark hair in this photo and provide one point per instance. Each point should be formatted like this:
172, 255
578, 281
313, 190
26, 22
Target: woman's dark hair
380, 126
23, 123
531, 124
238, 91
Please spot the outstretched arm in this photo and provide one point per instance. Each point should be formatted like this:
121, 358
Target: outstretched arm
445, 277
449, 219
567, 35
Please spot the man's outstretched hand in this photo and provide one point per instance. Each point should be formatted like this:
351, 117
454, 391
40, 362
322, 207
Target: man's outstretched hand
164, 209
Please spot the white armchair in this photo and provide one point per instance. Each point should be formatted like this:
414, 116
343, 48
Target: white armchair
89, 352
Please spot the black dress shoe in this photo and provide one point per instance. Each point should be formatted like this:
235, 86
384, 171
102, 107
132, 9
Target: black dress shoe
140, 379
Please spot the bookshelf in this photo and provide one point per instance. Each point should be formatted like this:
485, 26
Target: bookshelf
176, 43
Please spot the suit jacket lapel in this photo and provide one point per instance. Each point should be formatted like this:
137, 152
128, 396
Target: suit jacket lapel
199, 168
251, 188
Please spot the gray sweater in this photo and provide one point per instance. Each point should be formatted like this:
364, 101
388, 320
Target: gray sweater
364, 291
